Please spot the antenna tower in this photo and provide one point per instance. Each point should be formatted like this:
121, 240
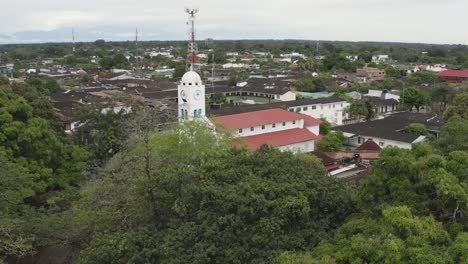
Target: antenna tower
192, 45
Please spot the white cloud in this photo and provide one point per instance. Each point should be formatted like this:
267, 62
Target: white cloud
380, 20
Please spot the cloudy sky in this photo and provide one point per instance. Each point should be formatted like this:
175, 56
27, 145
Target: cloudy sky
428, 21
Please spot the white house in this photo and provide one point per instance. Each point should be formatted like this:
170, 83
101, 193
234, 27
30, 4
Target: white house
380, 58
277, 128
390, 131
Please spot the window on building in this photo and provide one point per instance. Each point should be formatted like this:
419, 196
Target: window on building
273, 126
381, 143
314, 107
240, 130
252, 129
195, 113
263, 126
284, 123
333, 105
298, 110
291, 110
359, 140
322, 107
304, 108
329, 106
341, 105
190, 84
294, 122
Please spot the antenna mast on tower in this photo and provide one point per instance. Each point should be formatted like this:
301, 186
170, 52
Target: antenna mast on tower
192, 46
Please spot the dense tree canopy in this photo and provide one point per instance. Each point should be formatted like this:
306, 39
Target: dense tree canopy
183, 198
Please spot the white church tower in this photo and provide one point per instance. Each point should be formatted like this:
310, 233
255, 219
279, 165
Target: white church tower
191, 97
191, 90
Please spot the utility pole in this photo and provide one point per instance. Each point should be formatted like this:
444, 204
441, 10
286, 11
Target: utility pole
73, 40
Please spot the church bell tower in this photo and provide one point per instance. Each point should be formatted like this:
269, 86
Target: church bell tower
191, 97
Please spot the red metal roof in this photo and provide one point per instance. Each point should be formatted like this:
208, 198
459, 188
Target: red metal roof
369, 145
453, 73
331, 167
310, 121
277, 139
263, 117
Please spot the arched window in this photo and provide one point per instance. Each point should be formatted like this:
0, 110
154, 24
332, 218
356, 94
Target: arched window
182, 114
199, 112
195, 113
186, 113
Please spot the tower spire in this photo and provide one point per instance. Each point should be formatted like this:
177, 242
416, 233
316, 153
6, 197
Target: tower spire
192, 46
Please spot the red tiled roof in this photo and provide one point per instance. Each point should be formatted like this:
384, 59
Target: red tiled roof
453, 73
258, 118
277, 139
369, 145
310, 121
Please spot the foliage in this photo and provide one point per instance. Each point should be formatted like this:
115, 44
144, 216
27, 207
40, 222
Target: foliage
458, 109
396, 236
308, 83
331, 142
412, 97
106, 130
422, 77
35, 163
325, 126
416, 129
195, 200
87, 78
454, 136
4, 80
360, 110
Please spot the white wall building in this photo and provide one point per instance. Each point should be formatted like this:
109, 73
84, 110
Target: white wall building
380, 58
277, 128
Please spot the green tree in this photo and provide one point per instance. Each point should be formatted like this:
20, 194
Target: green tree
325, 126
195, 200
358, 110
331, 142
396, 236
412, 97
86, 78
4, 80
458, 109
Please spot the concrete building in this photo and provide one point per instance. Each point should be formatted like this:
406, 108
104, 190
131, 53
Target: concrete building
371, 74
277, 128
330, 108
390, 131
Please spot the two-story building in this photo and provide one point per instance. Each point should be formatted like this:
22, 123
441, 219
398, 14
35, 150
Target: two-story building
278, 128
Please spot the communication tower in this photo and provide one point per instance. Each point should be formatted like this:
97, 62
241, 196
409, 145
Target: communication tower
192, 54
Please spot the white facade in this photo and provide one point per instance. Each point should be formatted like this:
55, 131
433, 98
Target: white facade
332, 112
191, 97
269, 128
356, 141
381, 94
288, 96
380, 58
307, 146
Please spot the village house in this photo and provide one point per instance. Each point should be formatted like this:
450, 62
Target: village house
390, 131
277, 128
453, 77
330, 108
371, 74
